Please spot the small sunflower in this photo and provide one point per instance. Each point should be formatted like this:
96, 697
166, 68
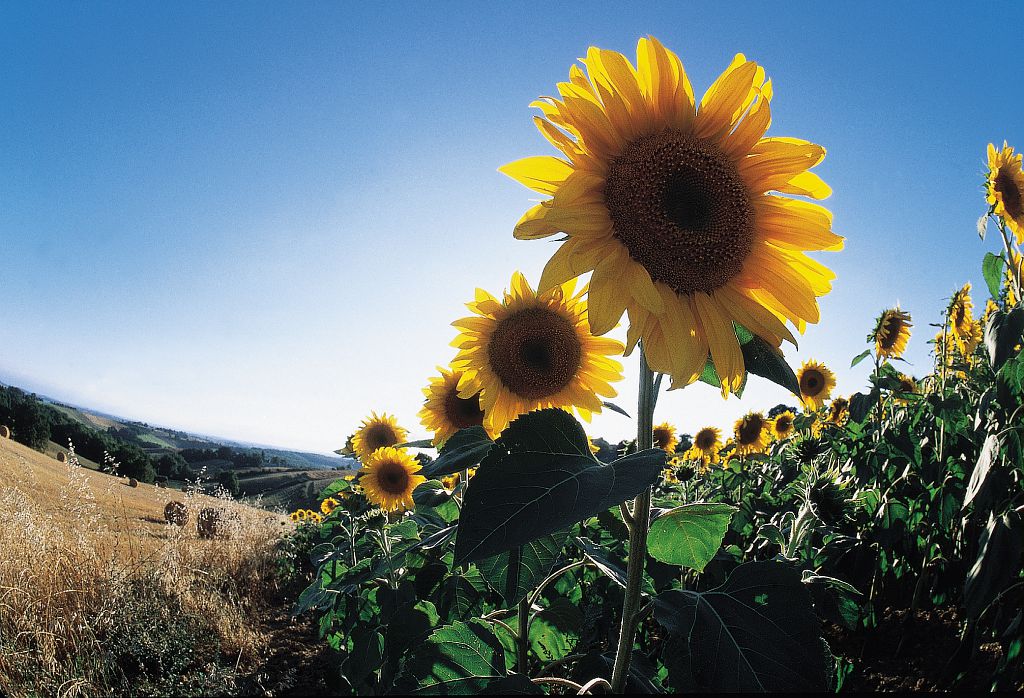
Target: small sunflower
782, 426
388, 476
908, 387
706, 446
294, 516
533, 350
961, 317
314, 517
1005, 188
668, 476
377, 432
892, 332
990, 307
679, 209
444, 412
329, 505
665, 437
816, 383
450, 482
752, 434
839, 411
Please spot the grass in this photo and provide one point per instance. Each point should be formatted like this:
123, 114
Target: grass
99, 596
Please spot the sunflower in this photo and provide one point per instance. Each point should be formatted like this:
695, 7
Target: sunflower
816, 383
908, 386
990, 307
533, 350
839, 411
668, 476
669, 204
892, 332
294, 516
1014, 269
377, 432
450, 482
1005, 188
329, 505
706, 444
752, 434
961, 318
444, 412
300, 514
665, 437
782, 426
389, 475
314, 517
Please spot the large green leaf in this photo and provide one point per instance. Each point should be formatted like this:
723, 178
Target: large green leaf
756, 632
979, 481
514, 573
457, 659
555, 631
760, 358
689, 535
997, 564
541, 478
463, 449
992, 270
1002, 333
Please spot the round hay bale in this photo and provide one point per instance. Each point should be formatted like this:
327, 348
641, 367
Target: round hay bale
5, 432
62, 457
176, 513
208, 523
132, 482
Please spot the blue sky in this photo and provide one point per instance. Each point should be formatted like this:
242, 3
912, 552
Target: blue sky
257, 220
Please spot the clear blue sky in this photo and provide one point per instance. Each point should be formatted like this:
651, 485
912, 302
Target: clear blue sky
257, 220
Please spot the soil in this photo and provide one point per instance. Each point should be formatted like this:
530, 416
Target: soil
297, 662
912, 653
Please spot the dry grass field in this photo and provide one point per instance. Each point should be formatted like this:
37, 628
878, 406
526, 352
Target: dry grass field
98, 594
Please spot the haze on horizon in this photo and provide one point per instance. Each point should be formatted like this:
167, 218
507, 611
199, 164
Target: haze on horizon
258, 221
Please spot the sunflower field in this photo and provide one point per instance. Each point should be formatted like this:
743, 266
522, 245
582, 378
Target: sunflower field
510, 553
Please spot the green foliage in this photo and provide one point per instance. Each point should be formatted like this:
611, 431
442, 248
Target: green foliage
690, 535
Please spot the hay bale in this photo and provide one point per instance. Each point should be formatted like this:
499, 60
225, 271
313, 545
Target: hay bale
5, 432
208, 523
62, 457
132, 482
176, 513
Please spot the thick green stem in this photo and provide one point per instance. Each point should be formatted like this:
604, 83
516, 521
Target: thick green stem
641, 516
523, 639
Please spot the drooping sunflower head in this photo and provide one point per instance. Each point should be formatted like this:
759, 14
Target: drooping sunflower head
445, 412
839, 411
960, 312
816, 383
752, 434
329, 505
665, 437
673, 207
892, 332
707, 443
783, 425
531, 351
1005, 188
907, 389
808, 448
377, 432
388, 477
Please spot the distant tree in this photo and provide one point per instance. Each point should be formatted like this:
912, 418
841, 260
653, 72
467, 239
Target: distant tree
780, 408
229, 479
171, 465
685, 442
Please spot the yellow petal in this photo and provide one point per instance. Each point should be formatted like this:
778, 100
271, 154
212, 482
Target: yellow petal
541, 173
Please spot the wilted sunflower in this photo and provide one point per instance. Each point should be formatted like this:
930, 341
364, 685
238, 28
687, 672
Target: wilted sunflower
665, 437
377, 432
816, 383
839, 411
533, 350
706, 444
445, 412
752, 434
782, 426
670, 205
892, 332
908, 387
961, 318
388, 476
1005, 188
329, 505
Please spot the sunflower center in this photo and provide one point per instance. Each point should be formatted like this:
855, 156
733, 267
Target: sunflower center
1012, 196
380, 435
463, 412
890, 332
535, 352
783, 424
811, 382
705, 439
392, 477
662, 437
682, 210
750, 429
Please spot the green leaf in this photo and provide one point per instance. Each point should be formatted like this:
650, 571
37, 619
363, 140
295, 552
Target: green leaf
430, 494
861, 405
615, 408
860, 357
457, 659
542, 478
992, 269
989, 455
690, 535
463, 449
555, 630
334, 488
515, 573
756, 632
599, 556
422, 443
1002, 333
762, 359
994, 569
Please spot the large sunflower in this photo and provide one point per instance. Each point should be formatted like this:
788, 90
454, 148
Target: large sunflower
782, 427
665, 437
961, 318
892, 332
377, 432
669, 205
1005, 187
752, 434
533, 350
816, 383
444, 412
706, 446
388, 477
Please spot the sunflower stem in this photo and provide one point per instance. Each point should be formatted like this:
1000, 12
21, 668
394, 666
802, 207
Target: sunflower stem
523, 636
637, 533
1014, 271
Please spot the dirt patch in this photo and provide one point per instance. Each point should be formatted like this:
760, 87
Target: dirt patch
297, 662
